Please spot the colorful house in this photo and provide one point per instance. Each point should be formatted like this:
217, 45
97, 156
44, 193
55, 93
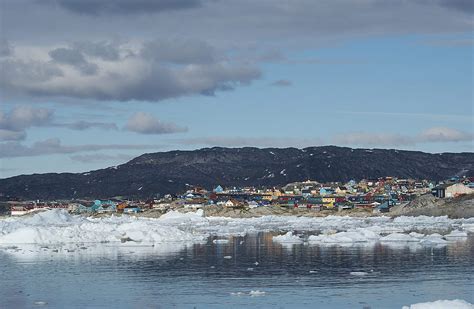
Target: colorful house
218, 189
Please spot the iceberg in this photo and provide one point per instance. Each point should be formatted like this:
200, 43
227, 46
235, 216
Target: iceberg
288, 238
399, 237
442, 304
59, 228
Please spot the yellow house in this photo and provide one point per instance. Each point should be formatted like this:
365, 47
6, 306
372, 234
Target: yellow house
329, 201
276, 194
267, 196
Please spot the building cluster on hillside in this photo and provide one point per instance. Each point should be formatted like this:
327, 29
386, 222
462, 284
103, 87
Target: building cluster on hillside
375, 194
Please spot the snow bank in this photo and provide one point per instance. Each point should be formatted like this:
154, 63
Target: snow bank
442, 304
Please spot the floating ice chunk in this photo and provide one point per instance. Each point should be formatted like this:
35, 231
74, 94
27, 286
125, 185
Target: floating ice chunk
468, 227
417, 235
59, 227
288, 238
356, 236
220, 241
455, 235
257, 293
238, 293
228, 257
442, 304
357, 273
40, 303
433, 239
399, 237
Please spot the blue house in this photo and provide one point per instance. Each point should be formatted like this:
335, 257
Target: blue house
326, 191
218, 189
384, 207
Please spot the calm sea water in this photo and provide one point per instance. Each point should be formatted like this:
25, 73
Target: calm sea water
212, 275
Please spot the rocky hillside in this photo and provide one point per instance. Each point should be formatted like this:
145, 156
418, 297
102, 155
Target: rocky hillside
172, 172
428, 205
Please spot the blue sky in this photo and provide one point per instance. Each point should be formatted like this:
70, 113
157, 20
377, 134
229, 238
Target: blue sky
303, 75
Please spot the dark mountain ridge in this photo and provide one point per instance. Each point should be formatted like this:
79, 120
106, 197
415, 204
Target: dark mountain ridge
174, 171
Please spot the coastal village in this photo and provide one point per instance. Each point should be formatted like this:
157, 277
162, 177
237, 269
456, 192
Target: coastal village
372, 195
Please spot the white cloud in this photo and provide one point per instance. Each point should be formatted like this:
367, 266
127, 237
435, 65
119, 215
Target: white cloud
9, 135
149, 71
54, 146
23, 117
443, 134
147, 124
14, 123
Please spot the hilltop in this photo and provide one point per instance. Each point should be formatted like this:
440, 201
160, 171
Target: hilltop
175, 171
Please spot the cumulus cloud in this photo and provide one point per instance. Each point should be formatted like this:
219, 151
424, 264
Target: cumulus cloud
23, 117
466, 6
125, 7
6, 49
154, 71
186, 60
10, 135
282, 83
54, 146
14, 123
147, 124
74, 58
105, 50
183, 51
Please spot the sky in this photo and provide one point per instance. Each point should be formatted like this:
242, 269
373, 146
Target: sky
87, 84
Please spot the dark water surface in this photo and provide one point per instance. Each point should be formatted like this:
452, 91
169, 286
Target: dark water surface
212, 275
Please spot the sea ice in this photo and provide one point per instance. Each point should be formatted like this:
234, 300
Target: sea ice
433, 239
288, 238
442, 304
456, 234
257, 293
220, 241
399, 237
357, 273
58, 228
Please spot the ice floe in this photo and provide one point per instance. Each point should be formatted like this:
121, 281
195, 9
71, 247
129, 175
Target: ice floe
288, 238
59, 228
442, 304
252, 293
358, 273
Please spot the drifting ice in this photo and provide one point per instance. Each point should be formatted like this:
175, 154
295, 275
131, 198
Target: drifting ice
57, 227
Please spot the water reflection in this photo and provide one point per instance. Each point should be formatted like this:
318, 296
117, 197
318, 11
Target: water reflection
217, 274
